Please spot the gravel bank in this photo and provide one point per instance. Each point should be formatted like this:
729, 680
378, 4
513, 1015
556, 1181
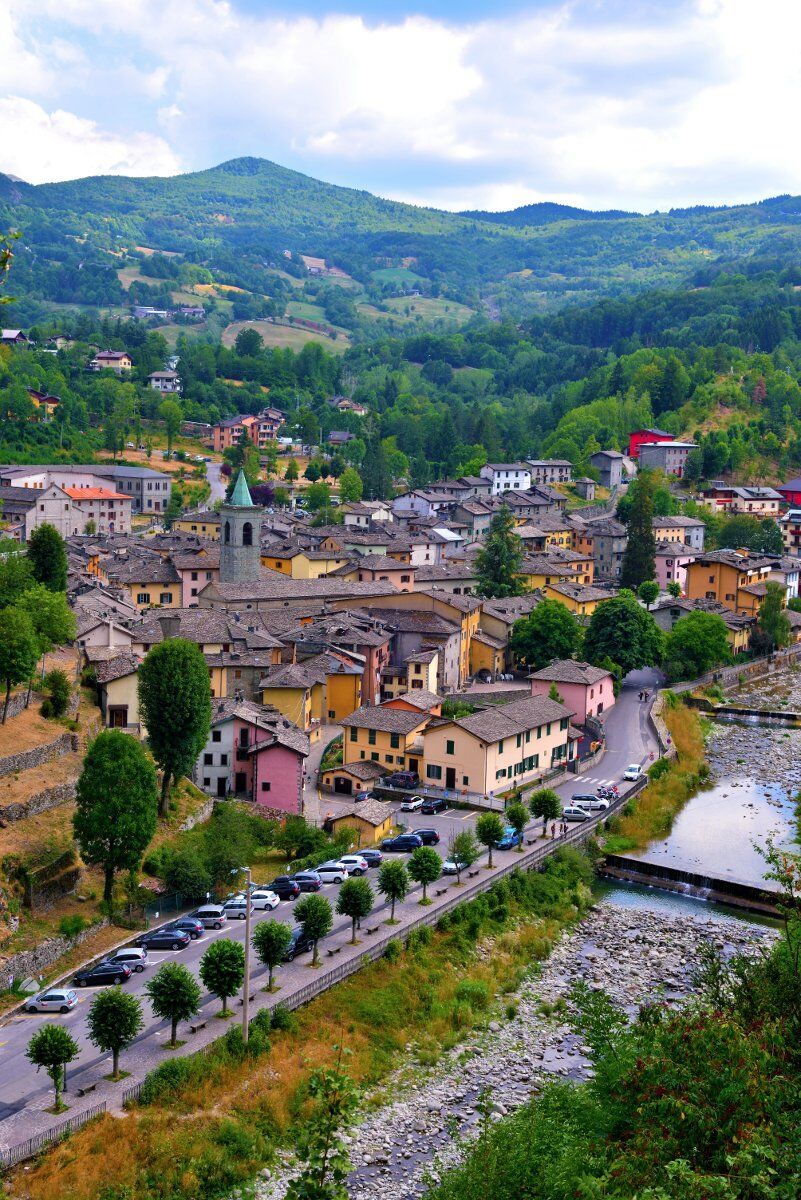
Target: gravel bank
634, 955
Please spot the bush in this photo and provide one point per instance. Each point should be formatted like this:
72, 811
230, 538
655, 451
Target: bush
46, 709
186, 873
283, 1018
70, 927
393, 950
58, 685
419, 938
166, 1080
475, 993
658, 769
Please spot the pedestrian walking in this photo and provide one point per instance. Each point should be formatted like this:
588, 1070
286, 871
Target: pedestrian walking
553, 831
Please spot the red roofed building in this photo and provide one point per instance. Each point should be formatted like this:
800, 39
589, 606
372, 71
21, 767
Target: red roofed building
110, 511
639, 436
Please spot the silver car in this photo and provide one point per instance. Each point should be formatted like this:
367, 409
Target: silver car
60, 1000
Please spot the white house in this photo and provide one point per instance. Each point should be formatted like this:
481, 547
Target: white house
507, 477
166, 382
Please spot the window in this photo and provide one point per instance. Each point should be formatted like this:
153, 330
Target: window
206, 781
394, 740
519, 740
223, 760
165, 598
449, 747
193, 576
143, 597
465, 780
331, 714
265, 786
563, 723
227, 536
216, 735
500, 747
208, 760
371, 737
374, 757
247, 534
539, 731
433, 771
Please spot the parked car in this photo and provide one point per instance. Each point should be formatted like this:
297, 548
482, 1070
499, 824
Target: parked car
402, 844
237, 908
374, 857
364, 796
60, 1000
262, 898
429, 837
434, 805
591, 803
298, 944
356, 864
451, 867
308, 881
334, 871
574, 812
164, 939
412, 804
133, 956
211, 916
284, 887
103, 972
190, 925
402, 779
632, 772
509, 839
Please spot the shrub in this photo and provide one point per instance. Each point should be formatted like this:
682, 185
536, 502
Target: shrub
419, 938
46, 709
658, 769
283, 1018
71, 926
393, 950
186, 873
58, 685
473, 992
166, 1080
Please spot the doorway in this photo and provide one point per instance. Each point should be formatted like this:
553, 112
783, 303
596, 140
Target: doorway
450, 778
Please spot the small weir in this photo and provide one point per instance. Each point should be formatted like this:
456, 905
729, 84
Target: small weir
734, 892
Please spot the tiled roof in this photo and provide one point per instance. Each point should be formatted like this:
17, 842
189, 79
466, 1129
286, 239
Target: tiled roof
374, 812
567, 670
116, 668
506, 720
388, 720
420, 697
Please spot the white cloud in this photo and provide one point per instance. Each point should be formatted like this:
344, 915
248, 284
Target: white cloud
40, 146
593, 102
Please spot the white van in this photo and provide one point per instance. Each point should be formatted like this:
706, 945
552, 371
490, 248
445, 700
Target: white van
332, 872
212, 916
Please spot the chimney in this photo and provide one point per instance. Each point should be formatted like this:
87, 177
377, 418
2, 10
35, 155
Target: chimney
170, 626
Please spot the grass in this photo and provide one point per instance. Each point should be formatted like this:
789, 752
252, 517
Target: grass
284, 336
217, 1119
398, 275
651, 814
429, 308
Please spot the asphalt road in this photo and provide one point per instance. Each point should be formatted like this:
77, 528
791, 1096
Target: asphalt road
21, 1087
216, 482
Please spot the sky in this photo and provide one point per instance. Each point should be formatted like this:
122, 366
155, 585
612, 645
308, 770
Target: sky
633, 104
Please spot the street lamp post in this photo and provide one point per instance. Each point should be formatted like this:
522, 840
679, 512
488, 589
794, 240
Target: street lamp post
246, 996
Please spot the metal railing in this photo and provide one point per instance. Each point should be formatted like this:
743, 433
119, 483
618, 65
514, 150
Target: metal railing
32, 1146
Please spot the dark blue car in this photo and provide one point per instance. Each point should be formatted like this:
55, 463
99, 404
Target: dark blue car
510, 839
164, 939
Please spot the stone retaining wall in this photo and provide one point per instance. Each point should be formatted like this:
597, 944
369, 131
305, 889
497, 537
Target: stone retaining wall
202, 814
38, 960
39, 802
666, 747
63, 744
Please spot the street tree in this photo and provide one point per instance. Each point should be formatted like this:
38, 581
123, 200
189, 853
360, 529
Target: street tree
115, 805
393, 883
174, 994
355, 900
48, 558
19, 650
549, 632
517, 816
463, 851
175, 703
172, 415
639, 559
500, 559
51, 1048
621, 629
695, 644
114, 1020
648, 592
545, 805
222, 969
271, 941
315, 916
489, 830
350, 486
773, 622
317, 497
425, 867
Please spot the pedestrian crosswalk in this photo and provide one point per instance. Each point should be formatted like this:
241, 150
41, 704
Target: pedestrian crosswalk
596, 779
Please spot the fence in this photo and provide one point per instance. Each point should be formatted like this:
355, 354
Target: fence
165, 904
27, 1149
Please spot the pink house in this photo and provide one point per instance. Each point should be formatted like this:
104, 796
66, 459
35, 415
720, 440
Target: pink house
255, 753
586, 689
671, 563
196, 569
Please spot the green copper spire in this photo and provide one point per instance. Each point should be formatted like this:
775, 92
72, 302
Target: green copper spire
240, 496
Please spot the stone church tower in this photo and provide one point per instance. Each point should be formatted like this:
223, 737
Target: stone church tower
240, 527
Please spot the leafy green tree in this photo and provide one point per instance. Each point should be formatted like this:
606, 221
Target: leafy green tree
639, 559
517, 816
249, 343
773, 621
695, 644
48, 558
500, 559
187, 874
355, 900
175, 704
425, 867
623, 631
172, 415
350, 486
549, 632
463, 850
320, 1146
393, 883
376, 473
114, 1019
312, 472
749, 533
58, 685
545, 805
174, 994
648, 592
51, 1048
19, 650
317, 497
222, 969
314, 914
489, 830
16, 573
271, 941
51, 616
674, 589
115, 805
291, 472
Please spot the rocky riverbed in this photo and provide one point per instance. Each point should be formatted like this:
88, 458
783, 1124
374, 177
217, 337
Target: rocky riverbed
635, 955
763, 753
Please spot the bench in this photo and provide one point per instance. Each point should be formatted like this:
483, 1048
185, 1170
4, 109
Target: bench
473, 874
441, 891
196, 1025
530, 841
87, 1087
333, 950
373, 930
240, 1001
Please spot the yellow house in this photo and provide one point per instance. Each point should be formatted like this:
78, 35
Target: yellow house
324, 688
462, 611
422, 671
487, 653
495, 748
204, 524
118, 693
371, 821
303, 564
392, 737
733, 579
151, 582
580, 599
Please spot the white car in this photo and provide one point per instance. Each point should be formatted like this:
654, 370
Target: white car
60, 1000
332, 872
451, 867
264, 898
633, 772
356, 865
412, 804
